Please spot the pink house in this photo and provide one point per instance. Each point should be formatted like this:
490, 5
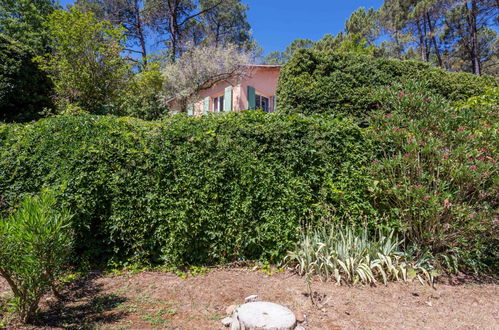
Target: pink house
256, 90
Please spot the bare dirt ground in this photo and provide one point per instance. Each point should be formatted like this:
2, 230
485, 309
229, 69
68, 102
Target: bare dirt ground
161, 300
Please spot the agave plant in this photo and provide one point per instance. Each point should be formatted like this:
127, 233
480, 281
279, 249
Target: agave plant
354, 256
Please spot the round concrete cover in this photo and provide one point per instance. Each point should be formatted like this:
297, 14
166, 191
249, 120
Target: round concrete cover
265, 315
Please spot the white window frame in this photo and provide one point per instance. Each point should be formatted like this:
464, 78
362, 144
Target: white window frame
218, 103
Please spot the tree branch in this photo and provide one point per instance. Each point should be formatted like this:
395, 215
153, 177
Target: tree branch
201, 12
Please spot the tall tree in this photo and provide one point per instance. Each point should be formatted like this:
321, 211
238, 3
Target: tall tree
394, 15
226, 23
127, 13
173, 18
364, 23
469, 40
22, 20
24, 88
86, 64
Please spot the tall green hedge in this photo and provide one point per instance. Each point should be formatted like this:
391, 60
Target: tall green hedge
346, 84
188, 190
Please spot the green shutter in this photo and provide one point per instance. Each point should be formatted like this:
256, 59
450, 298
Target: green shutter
190, 109
206, 106
275, 103
228, 99
251, 98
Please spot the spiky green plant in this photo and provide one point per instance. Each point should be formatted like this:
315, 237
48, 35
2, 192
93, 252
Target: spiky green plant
35, 243
352, 256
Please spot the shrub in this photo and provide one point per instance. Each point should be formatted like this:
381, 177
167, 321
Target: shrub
340, 84
141, 98
189, 190
352, 256
435, 173
34, 245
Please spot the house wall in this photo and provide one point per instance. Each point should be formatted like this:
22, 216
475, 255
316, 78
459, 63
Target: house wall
263, 79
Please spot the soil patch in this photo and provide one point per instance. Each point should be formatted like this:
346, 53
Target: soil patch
162, 300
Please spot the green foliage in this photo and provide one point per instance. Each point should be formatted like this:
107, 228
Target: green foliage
189, 190
435, 174
141, 98
364, 23
489, 99
34, 245
334, 83
85, 65
24, 88
22, 20
348, 255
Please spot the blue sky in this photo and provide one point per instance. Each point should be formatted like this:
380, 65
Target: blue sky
276, 23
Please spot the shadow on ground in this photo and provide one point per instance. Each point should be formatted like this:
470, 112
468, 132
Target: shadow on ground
83, 306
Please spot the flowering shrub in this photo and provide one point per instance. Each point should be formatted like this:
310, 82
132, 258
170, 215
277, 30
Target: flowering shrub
435, 172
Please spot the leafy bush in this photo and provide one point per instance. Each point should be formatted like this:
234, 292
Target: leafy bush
189, 190
34, 245
327, 82
350, 255
24, 89
141, 98
435, 173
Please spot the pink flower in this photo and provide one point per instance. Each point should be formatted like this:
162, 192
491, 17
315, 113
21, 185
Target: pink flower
460, 129
426, 198
401, 94
470, 136
473, 168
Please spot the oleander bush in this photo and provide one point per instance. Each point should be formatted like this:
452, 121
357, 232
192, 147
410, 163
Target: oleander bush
35, 243
435, 172
189, 190
347, 84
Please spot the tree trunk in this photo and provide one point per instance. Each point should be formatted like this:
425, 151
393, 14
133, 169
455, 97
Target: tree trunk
173, 28
434, 41
422, 44
475, 56
140, 32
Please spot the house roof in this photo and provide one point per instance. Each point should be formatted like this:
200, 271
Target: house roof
265, 65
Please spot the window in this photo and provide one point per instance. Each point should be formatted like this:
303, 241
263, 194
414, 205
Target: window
218, 104
262, 102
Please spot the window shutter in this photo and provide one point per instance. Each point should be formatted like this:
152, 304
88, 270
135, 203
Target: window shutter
251, 98
190, 109
275, 103
228, 99
206, 105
